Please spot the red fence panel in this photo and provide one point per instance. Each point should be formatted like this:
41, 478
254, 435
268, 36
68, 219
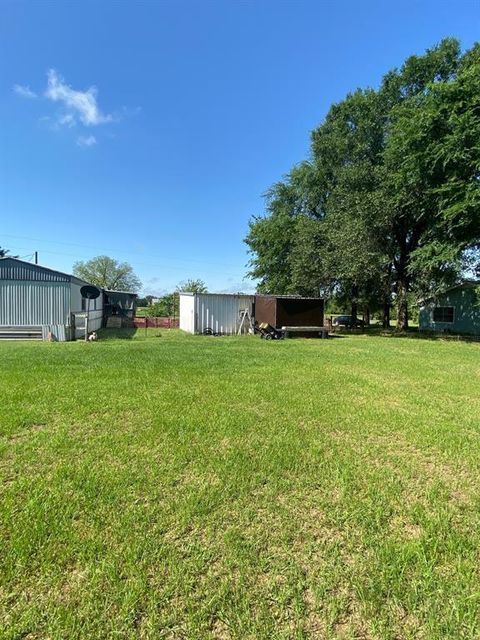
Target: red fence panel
156, 323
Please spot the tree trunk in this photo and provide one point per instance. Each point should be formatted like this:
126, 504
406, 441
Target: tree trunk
401, 267
402, 305
386, 315
354, 312
366, 316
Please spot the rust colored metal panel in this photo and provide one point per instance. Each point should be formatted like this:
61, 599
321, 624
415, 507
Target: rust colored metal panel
167, 322
289, 311
266, 310
299, 312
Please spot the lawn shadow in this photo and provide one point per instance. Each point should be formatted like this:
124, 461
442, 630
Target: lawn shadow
415, 334
125, 333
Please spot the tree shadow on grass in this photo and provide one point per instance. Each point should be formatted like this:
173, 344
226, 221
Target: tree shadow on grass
125, 333
416, 334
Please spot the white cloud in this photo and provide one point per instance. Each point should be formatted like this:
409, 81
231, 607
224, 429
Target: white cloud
86, 141
23, 91
67, 119
80, 103
76, 110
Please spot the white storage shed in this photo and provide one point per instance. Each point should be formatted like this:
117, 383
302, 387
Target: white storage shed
220, 312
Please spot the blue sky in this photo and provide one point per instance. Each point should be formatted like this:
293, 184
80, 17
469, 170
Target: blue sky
197, 108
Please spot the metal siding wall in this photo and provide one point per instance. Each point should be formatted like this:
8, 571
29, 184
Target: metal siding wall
466, 312
425, 318
220, 312
187, 311
95, 305
27, 303
95, 321
76, 304
60, 332
266, 310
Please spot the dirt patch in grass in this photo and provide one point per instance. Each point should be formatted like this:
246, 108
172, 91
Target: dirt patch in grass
26, 432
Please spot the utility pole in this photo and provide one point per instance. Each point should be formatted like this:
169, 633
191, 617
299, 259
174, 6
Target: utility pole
36, 257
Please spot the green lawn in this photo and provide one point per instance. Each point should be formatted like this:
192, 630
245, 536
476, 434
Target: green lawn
189, 487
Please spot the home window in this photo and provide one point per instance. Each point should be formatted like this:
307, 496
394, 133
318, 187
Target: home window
84, 304
443, 314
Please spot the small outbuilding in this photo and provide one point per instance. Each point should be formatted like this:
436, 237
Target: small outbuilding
218, 312
456, 310
222, 313
288, 311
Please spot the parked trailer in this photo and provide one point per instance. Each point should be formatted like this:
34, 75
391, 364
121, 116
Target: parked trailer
290, 312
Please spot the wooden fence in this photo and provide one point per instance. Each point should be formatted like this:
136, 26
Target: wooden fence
156, 323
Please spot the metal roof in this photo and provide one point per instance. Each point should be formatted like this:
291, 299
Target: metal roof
463, 283
286, 297
209, 293
16, 269
127, 293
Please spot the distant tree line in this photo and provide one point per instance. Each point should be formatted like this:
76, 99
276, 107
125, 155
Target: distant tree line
168, 304
387, 206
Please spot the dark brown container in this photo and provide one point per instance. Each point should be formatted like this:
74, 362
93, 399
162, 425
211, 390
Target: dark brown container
289, 311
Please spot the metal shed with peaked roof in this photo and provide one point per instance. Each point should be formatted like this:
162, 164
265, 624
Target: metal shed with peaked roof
37, 302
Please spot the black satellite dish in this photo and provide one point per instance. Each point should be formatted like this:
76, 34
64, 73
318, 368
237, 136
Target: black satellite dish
90, 292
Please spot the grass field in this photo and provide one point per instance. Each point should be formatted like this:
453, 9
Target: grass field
188, 487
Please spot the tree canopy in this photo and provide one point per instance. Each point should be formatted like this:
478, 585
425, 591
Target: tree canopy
108, 273
192, 286
4, 253
387, 205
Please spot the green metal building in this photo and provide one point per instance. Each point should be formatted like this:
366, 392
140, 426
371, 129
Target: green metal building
456, 310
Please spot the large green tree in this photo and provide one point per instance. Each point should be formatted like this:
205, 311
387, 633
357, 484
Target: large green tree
414, 221
318, 234
388, 203
347, 154
432, 166
108, 273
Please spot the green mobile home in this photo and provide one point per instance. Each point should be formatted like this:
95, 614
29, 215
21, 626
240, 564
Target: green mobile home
456, 310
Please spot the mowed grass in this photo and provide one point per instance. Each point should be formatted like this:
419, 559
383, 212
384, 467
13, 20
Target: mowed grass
189, 487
